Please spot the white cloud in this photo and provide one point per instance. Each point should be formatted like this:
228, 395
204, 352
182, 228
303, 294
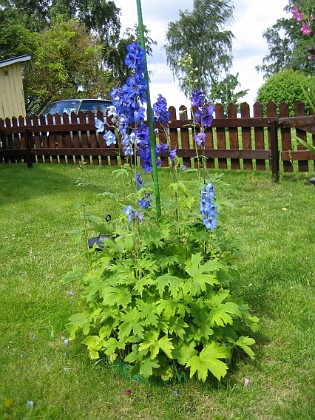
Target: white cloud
251, 19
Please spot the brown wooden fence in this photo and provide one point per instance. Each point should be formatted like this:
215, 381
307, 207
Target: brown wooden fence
235, 141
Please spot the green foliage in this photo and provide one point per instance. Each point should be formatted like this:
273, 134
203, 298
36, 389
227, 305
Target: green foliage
51, 32
15, 38
201, 33
163, 296
287, 86
287, 47
225, 91
61, 70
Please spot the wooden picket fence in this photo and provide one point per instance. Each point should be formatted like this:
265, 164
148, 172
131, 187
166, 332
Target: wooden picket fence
235, 141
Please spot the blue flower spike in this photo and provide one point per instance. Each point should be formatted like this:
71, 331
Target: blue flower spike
208, 209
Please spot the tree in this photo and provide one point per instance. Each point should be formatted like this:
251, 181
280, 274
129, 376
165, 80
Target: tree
21, 20
65, 65
201, 33
224, 91
287, 86
287, 47
15, 38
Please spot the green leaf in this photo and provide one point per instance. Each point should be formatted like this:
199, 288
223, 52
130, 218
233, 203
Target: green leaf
110, 195
93, 342
208, 359
184, 351
112, 345
131, 321
199, 365
115, 296
146, 367
154, 344
143, 284
170, 307
217, 298
94, 355
244, 343
219, 315
147, 313
78, 321
307, 145
165, 344
178, 326
73, 275
174, 284
201, 274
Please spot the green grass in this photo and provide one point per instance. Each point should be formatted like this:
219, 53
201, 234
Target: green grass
273, 225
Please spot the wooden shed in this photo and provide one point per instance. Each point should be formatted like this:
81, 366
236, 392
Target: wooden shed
12, 103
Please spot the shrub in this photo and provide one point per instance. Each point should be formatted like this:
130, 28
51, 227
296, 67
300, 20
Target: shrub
287, 86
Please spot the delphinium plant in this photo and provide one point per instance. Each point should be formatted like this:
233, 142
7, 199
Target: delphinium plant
162, 295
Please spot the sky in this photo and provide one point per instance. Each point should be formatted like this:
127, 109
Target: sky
251, 19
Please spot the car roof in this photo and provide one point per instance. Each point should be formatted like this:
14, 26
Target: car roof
82, 99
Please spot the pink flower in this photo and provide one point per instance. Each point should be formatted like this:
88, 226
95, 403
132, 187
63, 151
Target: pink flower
247, 382
297, 14
310, 57
306, 30
127, 391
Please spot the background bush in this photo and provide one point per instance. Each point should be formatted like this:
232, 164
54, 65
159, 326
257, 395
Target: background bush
287, 86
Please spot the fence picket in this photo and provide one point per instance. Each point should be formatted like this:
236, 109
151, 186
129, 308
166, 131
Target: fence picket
286, 137
299, 110
259, 137
246, 136
220, 132
233, 136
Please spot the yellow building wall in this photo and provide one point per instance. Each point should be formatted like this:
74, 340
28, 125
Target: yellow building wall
12, 102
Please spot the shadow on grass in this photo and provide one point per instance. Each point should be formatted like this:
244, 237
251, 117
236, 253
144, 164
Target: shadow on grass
18, 182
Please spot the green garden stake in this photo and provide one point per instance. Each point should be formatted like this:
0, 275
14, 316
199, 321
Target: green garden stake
149, 114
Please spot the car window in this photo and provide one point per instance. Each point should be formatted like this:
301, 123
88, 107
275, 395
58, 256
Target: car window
94, 106
60, 107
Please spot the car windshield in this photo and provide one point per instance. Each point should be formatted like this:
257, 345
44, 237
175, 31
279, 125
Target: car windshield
62, 106
94, 106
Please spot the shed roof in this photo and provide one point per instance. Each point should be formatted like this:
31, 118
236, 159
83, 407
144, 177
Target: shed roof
14, 60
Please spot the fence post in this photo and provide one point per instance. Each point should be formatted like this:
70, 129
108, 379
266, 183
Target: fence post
274, 148
29, 159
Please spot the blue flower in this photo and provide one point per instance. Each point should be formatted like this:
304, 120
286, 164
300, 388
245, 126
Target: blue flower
109, 138
207, 116
135, 57
99, 125
30, 404
200, 139
133, 214
129, 142
138, 215
208, 209
198, 98
139, 115
138, 181
129, 211
161, 148
145, 202
173, 154
160, 112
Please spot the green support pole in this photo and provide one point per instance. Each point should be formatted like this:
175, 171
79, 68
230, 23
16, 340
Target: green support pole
149, 114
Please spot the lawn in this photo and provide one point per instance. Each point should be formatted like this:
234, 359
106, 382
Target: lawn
44, 378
